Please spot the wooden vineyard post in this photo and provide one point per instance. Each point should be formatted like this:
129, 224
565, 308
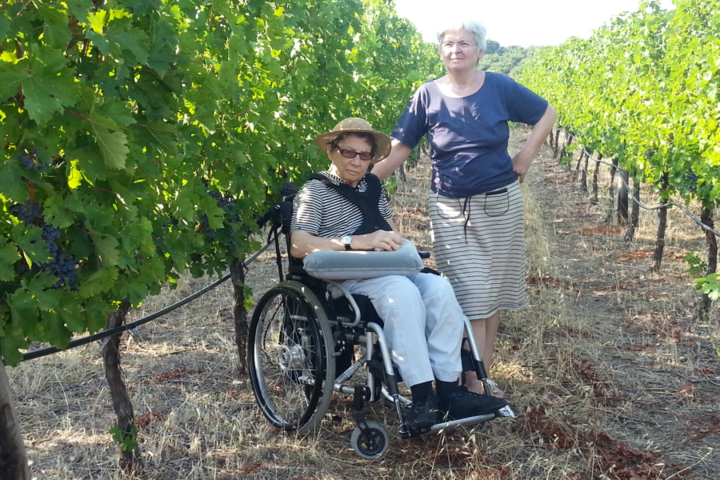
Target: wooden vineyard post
13, 459
577, 167
237, 276
635, 215
662, 225
401, 173
583, 178
594, 197
568, 141
611, 190
557, 140
622, 204
130, 460
704, 302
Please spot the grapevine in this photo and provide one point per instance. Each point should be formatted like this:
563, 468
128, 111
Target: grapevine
142, 140
644, 91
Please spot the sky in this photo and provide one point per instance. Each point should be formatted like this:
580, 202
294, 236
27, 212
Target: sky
519, 22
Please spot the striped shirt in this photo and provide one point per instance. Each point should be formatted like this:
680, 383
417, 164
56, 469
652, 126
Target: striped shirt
324, 212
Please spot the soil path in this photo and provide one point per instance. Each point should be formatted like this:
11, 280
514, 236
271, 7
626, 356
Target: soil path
610, 376
650, 371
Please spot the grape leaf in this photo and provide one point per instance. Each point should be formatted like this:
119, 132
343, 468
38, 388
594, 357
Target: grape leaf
57, 334
185, 204
80, 8
56, 31
46, 299
96, 312
135, 292
10, 349
98, 282
11, 77
24, 313
106, 249
124, 34
4, 25
8, 256
90, 162
12, 185
28, 239
47, 86
113, 146
163, 135
117, 111
72, 316
214, 213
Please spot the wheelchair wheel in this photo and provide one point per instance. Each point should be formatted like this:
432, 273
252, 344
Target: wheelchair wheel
371, 443
290, 357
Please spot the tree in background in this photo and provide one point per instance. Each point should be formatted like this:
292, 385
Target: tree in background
505, 60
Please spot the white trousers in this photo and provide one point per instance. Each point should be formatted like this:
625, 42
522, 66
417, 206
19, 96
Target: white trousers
423, 323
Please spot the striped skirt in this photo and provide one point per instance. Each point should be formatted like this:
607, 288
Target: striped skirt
479, 245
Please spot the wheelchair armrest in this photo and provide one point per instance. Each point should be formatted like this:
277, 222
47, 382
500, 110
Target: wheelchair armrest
424, 254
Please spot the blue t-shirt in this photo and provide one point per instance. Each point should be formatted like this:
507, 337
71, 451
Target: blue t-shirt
468, 136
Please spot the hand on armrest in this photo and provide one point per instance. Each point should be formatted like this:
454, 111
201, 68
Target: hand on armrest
303, 244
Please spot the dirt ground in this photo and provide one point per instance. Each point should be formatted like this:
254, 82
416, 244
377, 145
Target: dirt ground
609, 373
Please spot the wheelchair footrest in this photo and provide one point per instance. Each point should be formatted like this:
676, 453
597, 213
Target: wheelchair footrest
463, 421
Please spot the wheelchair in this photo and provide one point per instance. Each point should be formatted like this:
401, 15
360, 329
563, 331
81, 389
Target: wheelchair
301, 349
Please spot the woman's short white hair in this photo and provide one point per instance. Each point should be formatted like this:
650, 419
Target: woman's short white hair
476, 28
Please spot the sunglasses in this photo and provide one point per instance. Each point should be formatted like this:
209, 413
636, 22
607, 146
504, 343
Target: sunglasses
350, 153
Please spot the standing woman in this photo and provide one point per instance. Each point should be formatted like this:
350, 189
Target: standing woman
475, 204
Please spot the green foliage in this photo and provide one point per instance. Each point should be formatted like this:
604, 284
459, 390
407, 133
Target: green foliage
644, 89
695, 264
151, 135
127, 440
505, 60
709, 286
390, 185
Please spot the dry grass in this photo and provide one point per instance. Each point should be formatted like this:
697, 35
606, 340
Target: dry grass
610, 376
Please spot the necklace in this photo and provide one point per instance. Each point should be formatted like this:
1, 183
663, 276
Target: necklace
461, 88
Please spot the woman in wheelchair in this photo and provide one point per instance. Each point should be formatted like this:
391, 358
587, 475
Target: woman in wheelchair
344, 208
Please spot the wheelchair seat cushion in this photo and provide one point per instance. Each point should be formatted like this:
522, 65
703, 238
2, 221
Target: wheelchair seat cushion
360, 264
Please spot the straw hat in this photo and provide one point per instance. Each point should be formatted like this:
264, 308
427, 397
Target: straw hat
354, 124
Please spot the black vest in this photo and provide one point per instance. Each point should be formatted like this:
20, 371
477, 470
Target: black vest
367, 202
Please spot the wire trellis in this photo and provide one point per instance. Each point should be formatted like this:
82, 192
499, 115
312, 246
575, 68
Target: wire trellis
697, 221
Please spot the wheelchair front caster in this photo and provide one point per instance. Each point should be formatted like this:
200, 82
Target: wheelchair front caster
370, 442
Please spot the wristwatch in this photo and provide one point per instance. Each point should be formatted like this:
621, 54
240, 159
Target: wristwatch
346, 240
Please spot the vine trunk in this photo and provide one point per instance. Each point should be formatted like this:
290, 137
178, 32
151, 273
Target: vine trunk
237, 275
130, 459
622, 205
704, 302
662, 226
13, 459
594, 197
635, 215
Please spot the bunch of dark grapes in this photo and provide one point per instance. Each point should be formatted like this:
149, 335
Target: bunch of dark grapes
205, 226
31, 161
63, 267
60, 265
227, 203
26, 212
693, 180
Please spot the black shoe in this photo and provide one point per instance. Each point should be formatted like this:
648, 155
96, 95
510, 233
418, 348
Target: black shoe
424, 413
463, 404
